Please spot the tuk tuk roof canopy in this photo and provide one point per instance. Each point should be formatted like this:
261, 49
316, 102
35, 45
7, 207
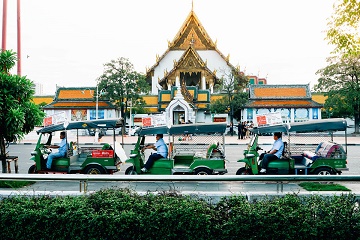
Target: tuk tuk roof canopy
322, 125
197, 128
100, 123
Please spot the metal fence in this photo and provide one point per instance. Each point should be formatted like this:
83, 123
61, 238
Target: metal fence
84, 179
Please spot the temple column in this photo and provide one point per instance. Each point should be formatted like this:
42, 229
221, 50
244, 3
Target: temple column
177, 80
203, 83
292, 115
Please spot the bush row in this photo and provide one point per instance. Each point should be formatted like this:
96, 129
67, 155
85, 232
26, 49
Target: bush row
122, 214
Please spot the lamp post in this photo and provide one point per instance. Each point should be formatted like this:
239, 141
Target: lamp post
102, 91
130, 105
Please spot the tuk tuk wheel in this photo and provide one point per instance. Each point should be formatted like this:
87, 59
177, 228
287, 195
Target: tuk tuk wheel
324, 171
130, 171
202, 171
32, 169
244, 171
94, 169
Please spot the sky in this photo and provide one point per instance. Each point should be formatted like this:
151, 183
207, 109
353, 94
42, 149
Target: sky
67, 42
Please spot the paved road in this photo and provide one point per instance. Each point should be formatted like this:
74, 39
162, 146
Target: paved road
234, 150
233, 153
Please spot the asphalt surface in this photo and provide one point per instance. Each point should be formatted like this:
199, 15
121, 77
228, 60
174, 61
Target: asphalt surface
234, 149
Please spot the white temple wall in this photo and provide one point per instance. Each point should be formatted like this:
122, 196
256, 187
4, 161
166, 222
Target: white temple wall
167, 63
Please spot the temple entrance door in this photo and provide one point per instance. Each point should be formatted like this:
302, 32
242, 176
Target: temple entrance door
179, 117
191, 79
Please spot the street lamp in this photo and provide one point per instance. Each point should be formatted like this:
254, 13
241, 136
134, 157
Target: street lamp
102, 91
130, 105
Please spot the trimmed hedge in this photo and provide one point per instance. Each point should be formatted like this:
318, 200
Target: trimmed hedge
122, 214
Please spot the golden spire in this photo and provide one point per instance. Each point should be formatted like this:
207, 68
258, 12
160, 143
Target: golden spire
192, 5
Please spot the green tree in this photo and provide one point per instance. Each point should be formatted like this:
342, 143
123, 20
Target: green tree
122, 83
222, 105
340, 79
19, 115
343, 27
232, 83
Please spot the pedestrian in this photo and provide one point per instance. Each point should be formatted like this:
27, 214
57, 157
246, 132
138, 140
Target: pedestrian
239, 129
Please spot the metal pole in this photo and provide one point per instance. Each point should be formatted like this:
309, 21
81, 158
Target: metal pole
130, 103
3, 46
18, 39
96, 112
97, 101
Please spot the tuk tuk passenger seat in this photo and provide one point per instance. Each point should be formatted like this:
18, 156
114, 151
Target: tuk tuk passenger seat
211, 148
323, 150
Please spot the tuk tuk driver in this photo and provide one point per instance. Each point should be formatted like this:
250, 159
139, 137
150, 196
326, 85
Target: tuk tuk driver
275, 152
61, 153
161, 152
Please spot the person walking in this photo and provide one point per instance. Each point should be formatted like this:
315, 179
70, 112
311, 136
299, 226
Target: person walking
239, 130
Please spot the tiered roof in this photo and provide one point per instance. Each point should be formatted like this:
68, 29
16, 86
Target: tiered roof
287, 96
70, 98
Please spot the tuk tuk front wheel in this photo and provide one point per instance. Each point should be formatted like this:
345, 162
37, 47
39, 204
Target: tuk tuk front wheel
32, 169
94, 169
244, 171
202, 171
324, 171
130, 171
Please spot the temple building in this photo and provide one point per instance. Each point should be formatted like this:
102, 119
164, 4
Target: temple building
294, 102
183, 81
184, 76
76, 104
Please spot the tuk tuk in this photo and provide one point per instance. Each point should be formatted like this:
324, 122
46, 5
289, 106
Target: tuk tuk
97, 159
193, 149
309, 148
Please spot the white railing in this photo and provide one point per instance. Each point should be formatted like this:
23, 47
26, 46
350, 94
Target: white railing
84, 179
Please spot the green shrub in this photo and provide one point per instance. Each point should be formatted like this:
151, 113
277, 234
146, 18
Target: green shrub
122, 214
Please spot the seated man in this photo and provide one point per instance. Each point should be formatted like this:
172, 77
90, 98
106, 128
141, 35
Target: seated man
161, 152
61, 153
275, 152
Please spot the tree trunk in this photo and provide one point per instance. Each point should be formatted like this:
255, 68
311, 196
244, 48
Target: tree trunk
356, 123
3, 154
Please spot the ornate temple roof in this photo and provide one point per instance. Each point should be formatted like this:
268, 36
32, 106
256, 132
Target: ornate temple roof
192, 33
77, 98
266, 96
189, 61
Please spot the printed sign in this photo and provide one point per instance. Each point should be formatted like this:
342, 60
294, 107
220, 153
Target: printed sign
269, 119
154, 120
146, 122
48, 121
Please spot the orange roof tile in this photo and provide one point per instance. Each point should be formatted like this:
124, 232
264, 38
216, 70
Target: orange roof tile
280, 102
79, 104
280, 92
76, 93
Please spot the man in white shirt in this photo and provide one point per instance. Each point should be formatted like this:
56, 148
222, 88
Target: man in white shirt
275, 152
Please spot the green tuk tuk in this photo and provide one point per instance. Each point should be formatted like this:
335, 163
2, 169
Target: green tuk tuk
310, 148
101, 159
193, 149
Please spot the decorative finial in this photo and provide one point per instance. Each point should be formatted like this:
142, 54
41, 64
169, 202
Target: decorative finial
192, 40
192, 5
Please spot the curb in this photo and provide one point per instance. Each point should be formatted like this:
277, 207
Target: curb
226, 144
211, 197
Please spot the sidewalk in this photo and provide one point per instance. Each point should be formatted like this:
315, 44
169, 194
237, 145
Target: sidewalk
32, 138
